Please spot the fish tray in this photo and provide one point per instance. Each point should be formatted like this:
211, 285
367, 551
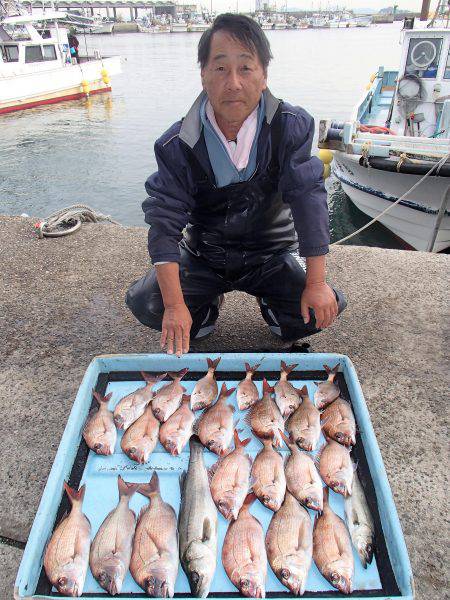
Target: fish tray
387, 577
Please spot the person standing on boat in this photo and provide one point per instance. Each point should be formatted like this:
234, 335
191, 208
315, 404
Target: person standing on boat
235, 194
73, 46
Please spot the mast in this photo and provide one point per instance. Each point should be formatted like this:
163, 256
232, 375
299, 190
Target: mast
425, 10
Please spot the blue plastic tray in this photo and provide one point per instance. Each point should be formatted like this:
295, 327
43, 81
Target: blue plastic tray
389, 576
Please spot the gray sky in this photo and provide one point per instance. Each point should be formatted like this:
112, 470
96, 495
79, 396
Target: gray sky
248, 5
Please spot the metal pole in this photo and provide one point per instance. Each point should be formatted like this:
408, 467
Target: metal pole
425, 10
439, 218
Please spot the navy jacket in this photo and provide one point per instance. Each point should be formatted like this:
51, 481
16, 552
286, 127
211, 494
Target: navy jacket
171, 189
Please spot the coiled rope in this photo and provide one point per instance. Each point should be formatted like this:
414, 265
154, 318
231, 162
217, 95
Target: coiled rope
436, 166
69, 219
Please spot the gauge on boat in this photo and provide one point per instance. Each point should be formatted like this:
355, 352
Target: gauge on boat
409, 87
423, 54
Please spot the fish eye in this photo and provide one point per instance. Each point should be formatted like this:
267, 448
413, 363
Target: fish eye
245, 583
285, 573
62, 581
335, 576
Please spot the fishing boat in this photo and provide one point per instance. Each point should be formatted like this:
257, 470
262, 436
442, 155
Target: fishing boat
37, 66
398, 133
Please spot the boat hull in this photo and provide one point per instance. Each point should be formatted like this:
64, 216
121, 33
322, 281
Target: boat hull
412, 220
56, 85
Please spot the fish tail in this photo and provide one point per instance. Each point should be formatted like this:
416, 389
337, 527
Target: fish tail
287, 368
75, 496
238, 443
303, 391
147, 489
250, 369
102, 399
249, 499
178, 374
212, 364
267, 389
153, 378
126, 489
224, 392
185, 398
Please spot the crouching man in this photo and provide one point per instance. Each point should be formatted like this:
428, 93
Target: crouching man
237, 177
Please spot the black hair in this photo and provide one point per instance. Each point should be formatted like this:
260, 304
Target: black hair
242, 28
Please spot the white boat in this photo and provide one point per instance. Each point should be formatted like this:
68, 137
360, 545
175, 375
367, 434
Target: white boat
179, 26
399, 131
36, 65
102, 27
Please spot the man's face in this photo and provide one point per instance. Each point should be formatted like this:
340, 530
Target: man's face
233, 78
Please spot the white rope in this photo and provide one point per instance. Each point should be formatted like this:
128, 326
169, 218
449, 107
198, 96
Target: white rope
437, 165
69, 219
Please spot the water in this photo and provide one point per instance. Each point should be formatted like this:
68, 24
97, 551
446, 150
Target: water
100, 151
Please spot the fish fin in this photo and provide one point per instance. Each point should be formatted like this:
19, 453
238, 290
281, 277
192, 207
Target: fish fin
182, 480
316, 383
147, 489
287, 368
75, 496
125, 488
324, 421
102, 399
207, 530
248, 417
267, 389
185, 398
303, 391
213, 470
335, 369
285, 438
178, 374
238, 443
153, 378
212, 364
249, 499
253, 369
195, 425
327, 369
326, 496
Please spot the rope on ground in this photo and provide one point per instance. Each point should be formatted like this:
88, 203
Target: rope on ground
69, 219
436, 166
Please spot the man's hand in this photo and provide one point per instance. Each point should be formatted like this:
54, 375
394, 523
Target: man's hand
176, 326
320, 297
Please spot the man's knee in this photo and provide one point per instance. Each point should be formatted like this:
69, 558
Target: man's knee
146, 303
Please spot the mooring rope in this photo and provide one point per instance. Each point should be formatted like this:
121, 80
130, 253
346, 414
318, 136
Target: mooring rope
71, 218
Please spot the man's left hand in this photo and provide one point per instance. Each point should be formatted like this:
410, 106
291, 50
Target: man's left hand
322, 300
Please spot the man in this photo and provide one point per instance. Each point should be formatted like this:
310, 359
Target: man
238, 177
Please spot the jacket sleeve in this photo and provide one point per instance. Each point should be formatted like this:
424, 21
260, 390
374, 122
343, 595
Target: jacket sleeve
169, 202
301, 182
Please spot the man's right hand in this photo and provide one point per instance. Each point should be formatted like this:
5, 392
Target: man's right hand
176, 327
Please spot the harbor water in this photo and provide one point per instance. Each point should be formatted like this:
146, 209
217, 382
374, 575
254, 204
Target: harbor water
99, 151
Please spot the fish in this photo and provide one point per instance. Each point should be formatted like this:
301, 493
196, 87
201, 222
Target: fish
247, 392
230, 479
244, 554
338, 422
267, 476
112, 545
174, 433
336, 467
197, 523
332, 549
303, 425
99, 431
286, 396
205, 390
327, 391
168, 398
264, 417
131, 407
154, 559
140, 439
289, 544
302, 478
360, 522
215, 426
66, 556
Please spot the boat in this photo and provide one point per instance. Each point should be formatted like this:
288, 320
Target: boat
37, 67
102, 26
179, 26
397, 133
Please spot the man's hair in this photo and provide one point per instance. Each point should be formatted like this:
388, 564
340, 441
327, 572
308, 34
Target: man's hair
242, 28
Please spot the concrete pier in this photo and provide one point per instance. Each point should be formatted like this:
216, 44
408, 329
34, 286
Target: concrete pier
62, 303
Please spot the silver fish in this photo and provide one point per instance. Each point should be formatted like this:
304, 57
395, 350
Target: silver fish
289, 545
66, 557
99, 431
205, 390
132, 406
111, 548
360, 523
154, 561
168, 398
286, 396
197, 524
327, 391
247, 392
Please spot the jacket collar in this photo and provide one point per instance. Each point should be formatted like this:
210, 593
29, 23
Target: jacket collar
191, 127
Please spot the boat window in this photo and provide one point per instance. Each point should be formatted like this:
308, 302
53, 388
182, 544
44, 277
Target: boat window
447, 66
10, 53
33, 54
49, 52
423, 57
